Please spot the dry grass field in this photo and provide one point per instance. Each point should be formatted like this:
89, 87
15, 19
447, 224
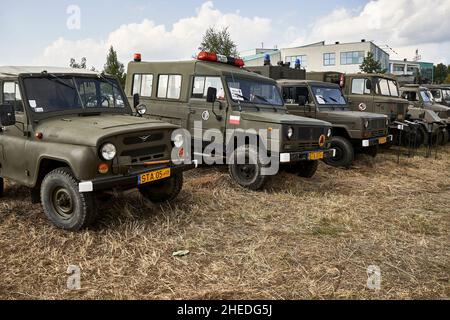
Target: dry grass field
299, 239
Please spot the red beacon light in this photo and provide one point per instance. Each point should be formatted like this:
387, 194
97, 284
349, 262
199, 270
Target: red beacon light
137, 57
214, 57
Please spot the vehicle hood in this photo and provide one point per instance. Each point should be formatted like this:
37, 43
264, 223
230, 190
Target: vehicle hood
281, 118
87, 131
355, 115
438, 107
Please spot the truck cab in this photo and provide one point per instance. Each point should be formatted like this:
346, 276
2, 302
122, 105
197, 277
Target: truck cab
213, 94
441, 93
68, 134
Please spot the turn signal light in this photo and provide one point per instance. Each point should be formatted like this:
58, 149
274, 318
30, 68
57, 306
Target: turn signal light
103, 168
322, 140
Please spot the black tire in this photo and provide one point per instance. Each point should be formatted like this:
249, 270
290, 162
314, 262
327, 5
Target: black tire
248, 175
307, 169
415, 139
63, 204
163, 191
345, 153
440, 138
2, 187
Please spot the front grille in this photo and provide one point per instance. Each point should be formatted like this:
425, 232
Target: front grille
145, 146
377, 133
143, 138
309, 133
299, 147
377, 124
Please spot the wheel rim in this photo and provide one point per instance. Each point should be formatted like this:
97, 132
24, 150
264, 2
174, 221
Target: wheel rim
62, 203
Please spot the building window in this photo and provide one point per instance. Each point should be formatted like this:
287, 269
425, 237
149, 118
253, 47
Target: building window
329, 59
303, 60
399, 68
353, 57
143, 85
169, 86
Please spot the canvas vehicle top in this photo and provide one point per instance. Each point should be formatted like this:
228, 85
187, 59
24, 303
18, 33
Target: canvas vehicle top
74, 131
178, 92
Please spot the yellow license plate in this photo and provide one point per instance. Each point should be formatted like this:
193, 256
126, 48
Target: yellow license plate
382, 140
154, 176
316, 156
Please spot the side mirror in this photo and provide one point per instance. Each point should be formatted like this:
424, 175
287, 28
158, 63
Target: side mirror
7, 115
136, 100
211, 96
368, 84
301, 101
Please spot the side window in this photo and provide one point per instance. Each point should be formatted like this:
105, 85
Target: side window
359, 86
11, 95
383, 87
291, 94
201, 85
393, 88
143, 85
169, 86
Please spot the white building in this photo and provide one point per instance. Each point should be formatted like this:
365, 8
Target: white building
320, 57
404, 67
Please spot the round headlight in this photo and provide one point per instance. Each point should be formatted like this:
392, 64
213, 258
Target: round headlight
329, 133
366, 124
108, 151
290, 132
141, 109
178, 140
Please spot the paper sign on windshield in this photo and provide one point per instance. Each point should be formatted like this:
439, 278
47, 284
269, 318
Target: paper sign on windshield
236, 94
320, 99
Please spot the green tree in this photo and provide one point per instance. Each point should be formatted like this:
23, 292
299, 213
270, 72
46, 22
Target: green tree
447, 80
440, 73
218, 41
114, 67
370, 65
76, 65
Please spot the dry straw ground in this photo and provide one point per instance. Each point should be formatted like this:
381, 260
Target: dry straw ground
299, 239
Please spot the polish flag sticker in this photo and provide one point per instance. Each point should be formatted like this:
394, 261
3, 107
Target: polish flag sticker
236, 120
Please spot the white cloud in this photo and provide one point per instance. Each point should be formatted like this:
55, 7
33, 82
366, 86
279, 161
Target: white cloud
405, 25
157, 42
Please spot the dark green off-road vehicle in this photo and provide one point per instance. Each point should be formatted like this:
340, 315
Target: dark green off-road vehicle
214, 95
68, 134
352, 131
422, 98
380, 93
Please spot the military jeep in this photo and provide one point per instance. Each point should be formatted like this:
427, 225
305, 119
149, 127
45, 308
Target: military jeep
68, 134
215, 92
352, 131
441, 93
422, 98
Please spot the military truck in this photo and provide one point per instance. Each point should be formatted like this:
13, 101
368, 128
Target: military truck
422, 98
68, 134
352, 131
441, 93
214, 92
379, 93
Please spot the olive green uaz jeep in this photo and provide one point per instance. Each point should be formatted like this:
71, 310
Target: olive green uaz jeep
68, 134
214, 95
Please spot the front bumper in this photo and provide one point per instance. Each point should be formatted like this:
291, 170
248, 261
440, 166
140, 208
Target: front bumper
307, 155
377, 141
129, 181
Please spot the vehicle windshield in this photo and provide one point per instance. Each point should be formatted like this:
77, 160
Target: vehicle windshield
254, 92
427, 97
328, 96
52, 93
387, 87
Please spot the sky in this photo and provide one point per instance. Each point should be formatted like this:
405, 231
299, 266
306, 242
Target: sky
50, 32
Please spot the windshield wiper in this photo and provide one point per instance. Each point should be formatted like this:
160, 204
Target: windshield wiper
261, 98
58, 79
115, 85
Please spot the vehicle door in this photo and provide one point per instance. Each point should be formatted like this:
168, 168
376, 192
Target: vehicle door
205, 116
292, 96
13, 162
360, 95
